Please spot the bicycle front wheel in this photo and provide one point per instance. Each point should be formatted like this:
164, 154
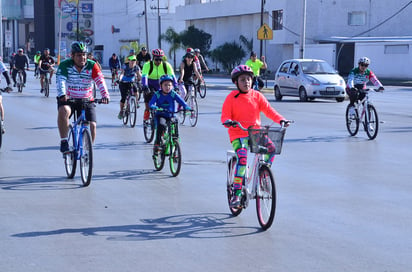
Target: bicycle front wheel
230, 187
47, 89
352, 121
133, 113
371, 126
148, 129
265, 197
175, 158
1, 132
86, 158
194, 114
126, 112
202, 90
70, 159
159, 158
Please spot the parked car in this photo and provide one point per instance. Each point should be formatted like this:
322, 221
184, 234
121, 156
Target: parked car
308, 79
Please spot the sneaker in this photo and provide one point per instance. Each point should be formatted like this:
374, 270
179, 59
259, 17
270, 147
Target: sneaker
120, 115
24, 84
146, 115
3, 130
14, 85
42, 90
157, 148
235, 201
64, 146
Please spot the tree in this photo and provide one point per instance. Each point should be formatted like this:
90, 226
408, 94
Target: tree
173, 38
229, 55
132, 45
196, 38
247, 43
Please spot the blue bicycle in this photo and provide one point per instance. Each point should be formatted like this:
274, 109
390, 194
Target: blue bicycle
80, 143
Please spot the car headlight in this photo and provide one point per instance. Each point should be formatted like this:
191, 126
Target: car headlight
313, 81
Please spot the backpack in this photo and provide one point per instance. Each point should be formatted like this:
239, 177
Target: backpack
151, 67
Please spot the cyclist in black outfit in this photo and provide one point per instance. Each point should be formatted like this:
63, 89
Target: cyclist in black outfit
143, 57
19, 62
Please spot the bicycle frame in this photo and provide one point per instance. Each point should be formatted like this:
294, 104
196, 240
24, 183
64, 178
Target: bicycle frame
77, 132
250, 181
361, 106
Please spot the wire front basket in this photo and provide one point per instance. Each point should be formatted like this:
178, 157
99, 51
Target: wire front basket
260, 139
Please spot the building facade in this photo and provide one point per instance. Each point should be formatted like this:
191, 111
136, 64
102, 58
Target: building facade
335, 30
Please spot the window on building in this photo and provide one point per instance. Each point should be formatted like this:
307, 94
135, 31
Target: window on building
277, 23
397, 49
357, 18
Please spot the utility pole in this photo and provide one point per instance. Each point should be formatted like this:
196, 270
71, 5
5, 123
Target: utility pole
145, 23
77, 22
159, 40
261, 23
1, 28
303, 34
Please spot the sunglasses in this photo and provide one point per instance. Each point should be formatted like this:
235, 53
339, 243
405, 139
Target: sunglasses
364, 65
158, 59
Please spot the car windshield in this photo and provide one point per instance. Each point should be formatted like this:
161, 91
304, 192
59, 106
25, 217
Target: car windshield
317, 67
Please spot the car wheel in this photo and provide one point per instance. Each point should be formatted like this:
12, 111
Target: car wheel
278, 96
340, 99
303, 95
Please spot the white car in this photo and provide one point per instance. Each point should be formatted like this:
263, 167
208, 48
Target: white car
308, 79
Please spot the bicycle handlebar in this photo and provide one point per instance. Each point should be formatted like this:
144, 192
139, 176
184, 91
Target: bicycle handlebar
168, 111
231, 123
83, 101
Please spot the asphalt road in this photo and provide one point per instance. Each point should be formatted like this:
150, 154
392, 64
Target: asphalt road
343, 202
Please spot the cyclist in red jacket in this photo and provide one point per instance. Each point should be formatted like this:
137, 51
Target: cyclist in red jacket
245, 105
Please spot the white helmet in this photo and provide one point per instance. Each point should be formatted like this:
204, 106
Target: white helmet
364, 60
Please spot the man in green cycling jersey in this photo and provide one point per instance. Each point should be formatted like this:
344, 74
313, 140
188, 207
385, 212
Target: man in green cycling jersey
75, 78
256, 65
151, 73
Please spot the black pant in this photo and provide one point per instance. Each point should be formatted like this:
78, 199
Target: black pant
14, 74
354, 95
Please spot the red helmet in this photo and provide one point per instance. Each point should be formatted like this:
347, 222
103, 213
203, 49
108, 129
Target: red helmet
190, 50
158, 53
240, 70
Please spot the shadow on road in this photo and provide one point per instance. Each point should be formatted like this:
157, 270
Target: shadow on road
198, 226
38, 183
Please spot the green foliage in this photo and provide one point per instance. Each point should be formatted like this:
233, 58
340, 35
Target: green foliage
247, 43
127, 47
229, 55
196, 38
173, 38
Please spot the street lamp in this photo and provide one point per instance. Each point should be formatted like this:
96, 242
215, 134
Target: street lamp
145, 23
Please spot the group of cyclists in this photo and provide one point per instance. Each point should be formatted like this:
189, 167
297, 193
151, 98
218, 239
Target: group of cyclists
160, 90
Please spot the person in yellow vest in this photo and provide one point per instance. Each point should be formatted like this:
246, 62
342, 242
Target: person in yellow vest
255, 64
36, 60
151, 73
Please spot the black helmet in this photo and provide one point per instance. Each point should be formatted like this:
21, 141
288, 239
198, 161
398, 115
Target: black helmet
78, 47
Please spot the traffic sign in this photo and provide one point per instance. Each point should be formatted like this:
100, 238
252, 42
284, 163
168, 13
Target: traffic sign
265, 33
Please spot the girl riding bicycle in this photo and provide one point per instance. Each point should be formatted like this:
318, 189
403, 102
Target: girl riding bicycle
165, 99
244, 105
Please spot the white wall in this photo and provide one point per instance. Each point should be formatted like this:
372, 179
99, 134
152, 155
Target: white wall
397, 66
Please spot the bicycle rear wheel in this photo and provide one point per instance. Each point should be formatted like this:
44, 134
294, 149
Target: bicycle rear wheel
133, 113
70, 159
352, 122
265, 197
194, 114
86, 158
175, 158
229, 185
372, 126
149, 129
202, 90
